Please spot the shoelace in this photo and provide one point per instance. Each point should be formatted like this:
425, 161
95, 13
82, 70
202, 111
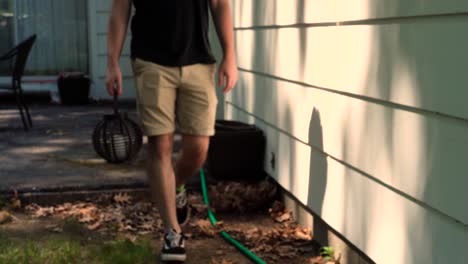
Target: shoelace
175, 239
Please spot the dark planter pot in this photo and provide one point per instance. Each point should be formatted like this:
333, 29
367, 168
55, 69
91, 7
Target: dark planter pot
74, 88
237, 152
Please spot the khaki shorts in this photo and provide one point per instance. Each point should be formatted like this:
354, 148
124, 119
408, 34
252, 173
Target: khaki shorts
169, 96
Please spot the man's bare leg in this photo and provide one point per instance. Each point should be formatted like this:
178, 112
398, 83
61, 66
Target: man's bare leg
192, 157
162, 179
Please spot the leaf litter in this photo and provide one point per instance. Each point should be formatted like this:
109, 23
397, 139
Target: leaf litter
119, 215
5, 217
241, 197
283, 239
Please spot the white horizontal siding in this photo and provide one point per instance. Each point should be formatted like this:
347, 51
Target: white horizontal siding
251, 13
385, 225
363, 104
421, 155
421, 65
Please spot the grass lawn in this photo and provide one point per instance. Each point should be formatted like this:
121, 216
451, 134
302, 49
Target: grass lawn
58, 249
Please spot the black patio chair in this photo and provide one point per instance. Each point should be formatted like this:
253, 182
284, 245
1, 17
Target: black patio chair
17, 58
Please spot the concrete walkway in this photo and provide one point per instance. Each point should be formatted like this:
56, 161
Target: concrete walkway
57, 153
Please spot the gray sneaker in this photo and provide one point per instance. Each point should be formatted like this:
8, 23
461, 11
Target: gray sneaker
173, 247
182, 206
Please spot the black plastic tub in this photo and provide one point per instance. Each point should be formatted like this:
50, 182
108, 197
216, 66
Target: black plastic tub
74, 88
237, 152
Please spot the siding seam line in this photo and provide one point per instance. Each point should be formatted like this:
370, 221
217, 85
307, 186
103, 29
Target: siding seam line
371, 21
349, 166
369, 99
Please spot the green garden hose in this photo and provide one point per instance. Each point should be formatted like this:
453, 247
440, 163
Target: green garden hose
225, 235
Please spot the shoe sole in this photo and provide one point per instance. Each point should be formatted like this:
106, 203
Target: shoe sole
173, 257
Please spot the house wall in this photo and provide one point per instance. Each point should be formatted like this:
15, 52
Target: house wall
363, 105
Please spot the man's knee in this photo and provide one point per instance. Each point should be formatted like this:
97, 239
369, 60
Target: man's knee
160, 147
196, 150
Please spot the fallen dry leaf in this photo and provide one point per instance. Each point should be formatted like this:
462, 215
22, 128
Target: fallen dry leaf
284, 217
278, 207
94, 226
54, 228
128, 228
316, 260
222, 261
253, 233
199, 207
63, 207
285, 251
321, 260
43, 212
130, 237
57, 230
122, 198
108, 216
205, 227
86, 219
87, 210
5, 217
303, 234
15, 201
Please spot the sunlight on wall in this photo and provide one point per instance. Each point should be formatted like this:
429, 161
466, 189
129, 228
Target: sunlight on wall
334, 196
290, 48
357, 77
408, 130
299, 11
319, 11
384, 229
339, 58
243, 13
244, 44
293, 159
283, 172
286, 11
303, 166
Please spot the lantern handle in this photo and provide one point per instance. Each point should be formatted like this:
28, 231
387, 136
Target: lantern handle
116, 108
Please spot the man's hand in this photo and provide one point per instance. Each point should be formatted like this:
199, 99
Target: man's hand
222, 19
114, 80
227, 75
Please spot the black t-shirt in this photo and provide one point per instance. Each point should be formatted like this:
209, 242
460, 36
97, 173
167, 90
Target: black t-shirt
171, 32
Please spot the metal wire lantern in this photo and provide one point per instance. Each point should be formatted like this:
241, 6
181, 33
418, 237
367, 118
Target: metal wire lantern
117, 138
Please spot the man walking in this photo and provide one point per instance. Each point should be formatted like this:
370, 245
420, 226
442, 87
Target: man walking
174, 71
